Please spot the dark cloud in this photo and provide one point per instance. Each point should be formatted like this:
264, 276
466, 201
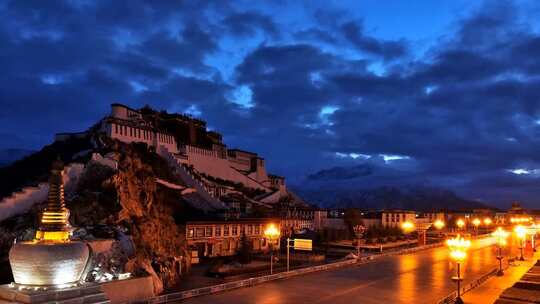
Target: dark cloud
248, 23
355, 34
319, 94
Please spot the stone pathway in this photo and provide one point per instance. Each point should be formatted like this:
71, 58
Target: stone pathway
491, 290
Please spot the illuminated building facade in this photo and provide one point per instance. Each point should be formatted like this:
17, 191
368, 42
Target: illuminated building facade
223, 238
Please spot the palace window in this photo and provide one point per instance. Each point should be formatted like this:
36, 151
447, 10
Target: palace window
250, 229
191, 233
115, 128
257, 229
199, 232
226, 230
234, 230
218, 231
208, 231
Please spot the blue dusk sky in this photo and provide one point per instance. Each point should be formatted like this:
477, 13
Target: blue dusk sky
447, 92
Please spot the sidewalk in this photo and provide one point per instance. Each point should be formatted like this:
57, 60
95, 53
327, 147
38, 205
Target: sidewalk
489, 292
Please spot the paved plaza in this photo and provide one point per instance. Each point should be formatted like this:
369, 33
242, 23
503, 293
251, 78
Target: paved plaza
422, 277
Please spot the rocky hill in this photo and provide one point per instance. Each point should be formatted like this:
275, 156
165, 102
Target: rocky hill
112, 203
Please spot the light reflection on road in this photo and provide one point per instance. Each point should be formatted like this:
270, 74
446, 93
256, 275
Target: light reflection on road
422, 277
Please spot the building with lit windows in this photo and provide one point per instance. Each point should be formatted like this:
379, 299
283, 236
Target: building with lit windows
223, 238
396, 217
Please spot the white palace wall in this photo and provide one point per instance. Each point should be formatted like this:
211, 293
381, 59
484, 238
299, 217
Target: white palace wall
207, 161
130, 134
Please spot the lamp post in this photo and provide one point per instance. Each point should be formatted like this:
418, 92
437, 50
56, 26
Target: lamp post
439, 225
532, 230
476, 222
271, 233
407, 227
501, 235
460, 223
458, 252
521, 233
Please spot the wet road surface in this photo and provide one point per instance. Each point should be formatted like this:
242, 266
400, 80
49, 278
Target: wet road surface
422, 277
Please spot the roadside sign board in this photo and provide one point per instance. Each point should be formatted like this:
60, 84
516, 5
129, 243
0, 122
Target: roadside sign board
303, 244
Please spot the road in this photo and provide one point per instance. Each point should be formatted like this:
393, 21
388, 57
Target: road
422, 277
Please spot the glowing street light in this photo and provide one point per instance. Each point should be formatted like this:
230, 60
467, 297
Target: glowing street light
407, 227
272, 234
458, 252
460, 223
517, 220
476, 222
501, 235
439, 224
487, 221
521, 233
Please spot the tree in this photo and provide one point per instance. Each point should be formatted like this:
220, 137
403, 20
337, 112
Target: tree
352, 218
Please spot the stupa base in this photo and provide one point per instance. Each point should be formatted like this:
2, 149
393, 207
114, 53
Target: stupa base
90, 293
115, 292
48, 264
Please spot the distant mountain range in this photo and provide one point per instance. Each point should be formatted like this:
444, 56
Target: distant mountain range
7, 156
369, 186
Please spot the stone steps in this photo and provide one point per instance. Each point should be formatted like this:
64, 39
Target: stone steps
527, 290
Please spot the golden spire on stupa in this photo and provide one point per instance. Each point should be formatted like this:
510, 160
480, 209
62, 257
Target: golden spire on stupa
54, 224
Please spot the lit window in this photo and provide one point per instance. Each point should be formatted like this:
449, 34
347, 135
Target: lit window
191, 233
199, 232
208, 232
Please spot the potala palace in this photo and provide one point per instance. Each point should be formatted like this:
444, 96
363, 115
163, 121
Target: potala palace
200, 156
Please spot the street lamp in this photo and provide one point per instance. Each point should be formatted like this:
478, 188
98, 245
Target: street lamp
439, 224
487, 221
407, 227
458, 252
460, 223
271, 233
533, 229
476, 222
501, 235
521, 233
